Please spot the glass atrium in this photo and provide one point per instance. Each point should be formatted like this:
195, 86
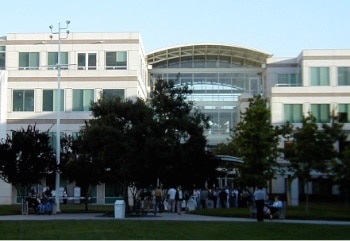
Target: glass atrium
217, 74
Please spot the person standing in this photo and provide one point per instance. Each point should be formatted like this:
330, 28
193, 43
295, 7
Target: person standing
171, 194
204, 197
259, 197
158, 202
178, 198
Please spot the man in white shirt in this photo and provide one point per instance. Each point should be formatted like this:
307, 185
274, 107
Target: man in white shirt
259, 197
172, 193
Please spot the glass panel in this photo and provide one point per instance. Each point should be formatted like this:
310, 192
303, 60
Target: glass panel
92, 61
344, 113
64, 60
82, 99
52, 60
110, 60
319, 76
23, 60
34, 60
293, 113
121, 59
50, 100
321, 112
28, 60
2, 60
47, 100
23, 100
114, 92
81, 61
343, 75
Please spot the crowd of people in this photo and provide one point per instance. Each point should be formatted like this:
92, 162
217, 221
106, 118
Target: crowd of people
176, 199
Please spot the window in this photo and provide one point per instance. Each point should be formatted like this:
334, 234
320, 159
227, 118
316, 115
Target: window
87, 61
293, 113
319, 76
116, 60
50, 100
2, 57
52, 60
288, 80
321, 112
344, 113
23, 100
343, 75
114, 92
82, 99
28, 60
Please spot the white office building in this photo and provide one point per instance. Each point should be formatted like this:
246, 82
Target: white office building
222, 78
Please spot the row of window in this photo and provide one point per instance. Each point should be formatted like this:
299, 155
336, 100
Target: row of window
322, 112
85, 61
319, 76
23, 100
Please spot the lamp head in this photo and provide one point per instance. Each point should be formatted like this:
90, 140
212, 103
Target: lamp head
51, 27
68, 22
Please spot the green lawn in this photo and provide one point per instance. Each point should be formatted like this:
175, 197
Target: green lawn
159, 230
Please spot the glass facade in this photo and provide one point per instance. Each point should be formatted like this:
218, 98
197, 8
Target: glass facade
217, 80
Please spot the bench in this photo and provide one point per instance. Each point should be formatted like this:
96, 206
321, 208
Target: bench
280, 214
29, 204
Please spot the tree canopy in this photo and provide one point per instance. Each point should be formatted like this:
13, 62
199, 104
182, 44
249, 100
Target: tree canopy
26, 156
255, 140
136, 142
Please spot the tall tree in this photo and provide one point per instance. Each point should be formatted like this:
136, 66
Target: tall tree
256, 140
26, 157
180, 137
77, 165
341, 171
113, 146
313, 149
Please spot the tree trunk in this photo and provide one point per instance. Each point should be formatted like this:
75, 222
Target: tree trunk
307, 197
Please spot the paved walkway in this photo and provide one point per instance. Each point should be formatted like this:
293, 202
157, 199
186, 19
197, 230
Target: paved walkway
158, 217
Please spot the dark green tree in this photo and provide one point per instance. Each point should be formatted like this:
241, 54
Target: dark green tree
26, 157
181, 157
256, 140
313, 149
77, 165
113, 147
341, 171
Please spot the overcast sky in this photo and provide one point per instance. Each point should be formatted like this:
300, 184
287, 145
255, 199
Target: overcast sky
279, 27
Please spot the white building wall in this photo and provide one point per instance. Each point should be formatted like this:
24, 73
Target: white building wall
132, 79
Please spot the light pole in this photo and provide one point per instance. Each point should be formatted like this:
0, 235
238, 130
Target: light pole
58, 104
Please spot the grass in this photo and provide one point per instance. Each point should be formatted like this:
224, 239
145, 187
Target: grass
160, 230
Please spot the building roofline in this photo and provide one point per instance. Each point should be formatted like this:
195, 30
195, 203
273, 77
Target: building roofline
242, 54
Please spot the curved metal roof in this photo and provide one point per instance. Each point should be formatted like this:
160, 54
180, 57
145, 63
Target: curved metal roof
243, 55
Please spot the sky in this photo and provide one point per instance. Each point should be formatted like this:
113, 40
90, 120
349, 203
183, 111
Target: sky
282, 28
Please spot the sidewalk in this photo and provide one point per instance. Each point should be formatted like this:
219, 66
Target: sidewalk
160, 216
